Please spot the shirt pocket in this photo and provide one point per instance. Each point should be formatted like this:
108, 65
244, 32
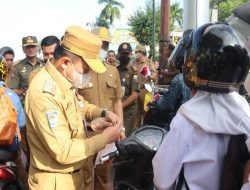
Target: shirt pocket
110, 90
111, 84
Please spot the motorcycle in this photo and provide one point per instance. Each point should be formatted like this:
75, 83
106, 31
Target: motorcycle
133, 159
8, 172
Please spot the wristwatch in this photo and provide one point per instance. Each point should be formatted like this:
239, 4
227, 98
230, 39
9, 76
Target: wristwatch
103, 113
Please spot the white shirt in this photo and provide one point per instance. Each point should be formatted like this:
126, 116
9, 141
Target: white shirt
201, 153
197, 140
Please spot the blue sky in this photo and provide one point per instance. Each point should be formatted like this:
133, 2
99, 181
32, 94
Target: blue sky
51, 17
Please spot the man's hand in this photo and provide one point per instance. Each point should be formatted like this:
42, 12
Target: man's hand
113, 118
98, 124
112, 133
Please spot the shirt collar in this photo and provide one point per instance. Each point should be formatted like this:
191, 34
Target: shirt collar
61, 81
26, 61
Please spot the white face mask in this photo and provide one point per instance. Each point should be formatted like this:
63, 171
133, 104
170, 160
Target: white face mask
80, 80
134, 57
103, 54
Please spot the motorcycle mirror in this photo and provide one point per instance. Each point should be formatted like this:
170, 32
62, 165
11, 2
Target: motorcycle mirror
148, 87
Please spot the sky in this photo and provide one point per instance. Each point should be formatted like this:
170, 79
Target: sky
51, 17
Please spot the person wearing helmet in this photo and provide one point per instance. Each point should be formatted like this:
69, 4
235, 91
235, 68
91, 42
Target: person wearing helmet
14, 148
193, 151
178, 93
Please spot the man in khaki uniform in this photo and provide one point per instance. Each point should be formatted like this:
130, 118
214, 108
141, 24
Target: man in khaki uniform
148, 72
130, 86
18, 80
107, 89
55, 115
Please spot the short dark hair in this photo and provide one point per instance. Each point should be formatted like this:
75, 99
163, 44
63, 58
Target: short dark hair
60, 52
6, 50
50, 40
111, 51
171, 47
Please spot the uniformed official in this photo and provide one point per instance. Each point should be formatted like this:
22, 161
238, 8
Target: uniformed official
148, 72
18, 80
56, 132
130, 80
107, 87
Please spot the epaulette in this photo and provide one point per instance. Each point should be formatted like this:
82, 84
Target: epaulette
49, 87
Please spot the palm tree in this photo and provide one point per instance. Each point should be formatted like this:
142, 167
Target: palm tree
110, 12
175, 16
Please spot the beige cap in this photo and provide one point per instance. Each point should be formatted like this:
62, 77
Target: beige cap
140, 48
103, 33
84, 44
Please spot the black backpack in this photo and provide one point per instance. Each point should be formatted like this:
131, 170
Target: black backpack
235, 159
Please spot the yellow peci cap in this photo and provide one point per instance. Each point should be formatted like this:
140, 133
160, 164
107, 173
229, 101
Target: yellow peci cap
84, 44
103, 33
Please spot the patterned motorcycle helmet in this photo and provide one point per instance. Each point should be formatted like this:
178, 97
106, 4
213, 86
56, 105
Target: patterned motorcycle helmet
215, 61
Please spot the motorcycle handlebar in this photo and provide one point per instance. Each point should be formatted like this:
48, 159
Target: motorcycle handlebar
109, 156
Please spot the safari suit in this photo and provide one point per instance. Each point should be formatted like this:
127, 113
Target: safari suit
132, 83
102, 90
140, 106
55, 131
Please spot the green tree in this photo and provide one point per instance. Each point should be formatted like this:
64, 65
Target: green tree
141, 23
175, 16
142, 20
225, 7
110, 12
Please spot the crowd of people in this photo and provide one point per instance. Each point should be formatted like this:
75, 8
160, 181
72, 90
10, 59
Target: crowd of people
73, 97
82, 97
